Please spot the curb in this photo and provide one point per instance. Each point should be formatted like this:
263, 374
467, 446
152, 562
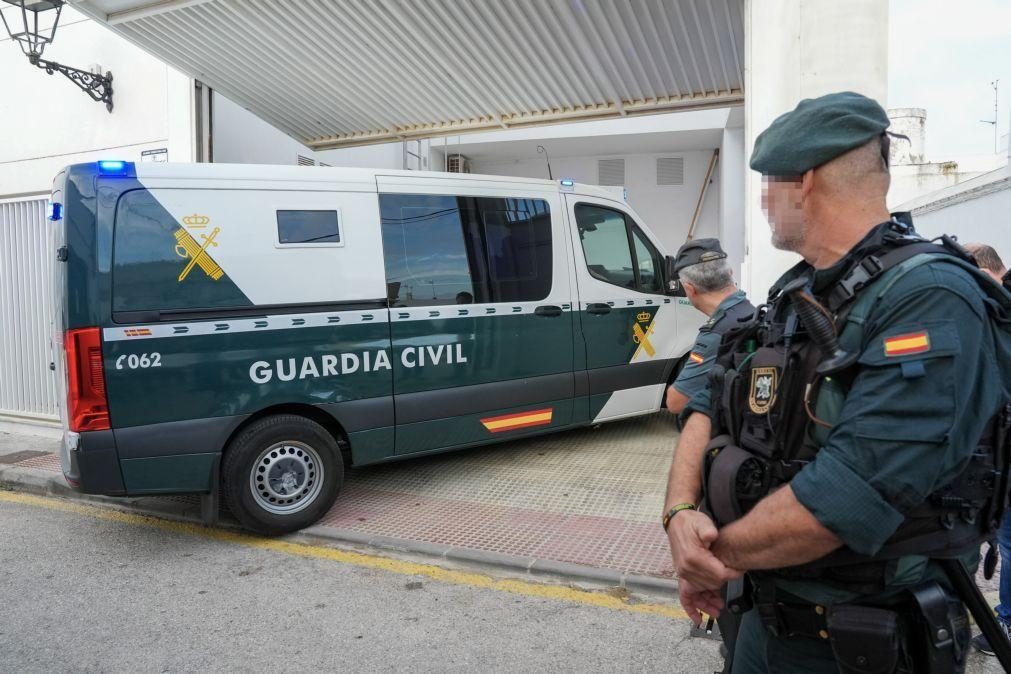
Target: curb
45, 483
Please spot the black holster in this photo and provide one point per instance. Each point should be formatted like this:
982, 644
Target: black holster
940, 632
865, 639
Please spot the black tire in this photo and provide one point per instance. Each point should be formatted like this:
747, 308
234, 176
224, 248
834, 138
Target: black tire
289, 469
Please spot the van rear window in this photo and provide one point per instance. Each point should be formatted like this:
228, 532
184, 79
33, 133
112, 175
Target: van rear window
161, 263
464, 250
308, 227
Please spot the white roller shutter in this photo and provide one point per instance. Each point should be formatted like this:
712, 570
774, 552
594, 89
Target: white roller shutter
27, 386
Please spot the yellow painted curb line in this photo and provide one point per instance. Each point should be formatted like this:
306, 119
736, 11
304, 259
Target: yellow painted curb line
438, 573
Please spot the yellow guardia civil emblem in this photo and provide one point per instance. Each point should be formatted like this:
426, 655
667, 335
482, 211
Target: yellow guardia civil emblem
641, 336
189, 248
762, 394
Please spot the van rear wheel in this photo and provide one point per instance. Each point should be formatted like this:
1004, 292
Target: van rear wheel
281, 474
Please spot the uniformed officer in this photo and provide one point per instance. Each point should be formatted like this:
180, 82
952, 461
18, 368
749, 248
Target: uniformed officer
845, 426
990, 262
708, 283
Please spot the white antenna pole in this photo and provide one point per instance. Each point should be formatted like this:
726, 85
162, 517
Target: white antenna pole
995, 84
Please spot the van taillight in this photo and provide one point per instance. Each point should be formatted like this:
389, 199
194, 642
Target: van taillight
87, 407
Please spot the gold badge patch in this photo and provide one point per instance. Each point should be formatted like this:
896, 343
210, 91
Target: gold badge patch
641, 336
189, 248
762, 394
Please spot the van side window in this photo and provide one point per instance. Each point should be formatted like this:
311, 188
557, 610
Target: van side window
616, 250
308, 227
604, 236
153, 265
649, 261
443, 249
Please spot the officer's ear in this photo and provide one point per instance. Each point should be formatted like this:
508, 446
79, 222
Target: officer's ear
806, 183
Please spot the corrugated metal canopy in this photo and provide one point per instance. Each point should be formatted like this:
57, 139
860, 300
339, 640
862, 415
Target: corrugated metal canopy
345, 72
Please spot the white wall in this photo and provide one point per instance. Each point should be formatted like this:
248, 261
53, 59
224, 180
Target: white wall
46, 122
984, 219
799, 50
384, 155
732, 172
667, 210
240, 137
916, 180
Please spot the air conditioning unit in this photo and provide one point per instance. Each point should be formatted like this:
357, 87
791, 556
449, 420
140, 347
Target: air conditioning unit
457, 163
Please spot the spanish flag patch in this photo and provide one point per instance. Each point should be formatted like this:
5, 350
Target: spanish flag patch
695, 358
511, 422
904, 345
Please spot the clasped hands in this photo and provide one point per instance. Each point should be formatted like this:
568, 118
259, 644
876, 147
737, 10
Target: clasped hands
700, 574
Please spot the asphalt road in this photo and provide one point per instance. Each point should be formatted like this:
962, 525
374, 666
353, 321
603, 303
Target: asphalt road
85, 593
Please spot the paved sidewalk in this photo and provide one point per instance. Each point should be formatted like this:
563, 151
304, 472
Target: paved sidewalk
581, 504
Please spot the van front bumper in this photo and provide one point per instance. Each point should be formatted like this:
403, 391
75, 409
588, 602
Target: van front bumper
91, 464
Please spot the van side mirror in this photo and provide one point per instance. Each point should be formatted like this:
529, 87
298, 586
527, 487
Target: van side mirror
671, 277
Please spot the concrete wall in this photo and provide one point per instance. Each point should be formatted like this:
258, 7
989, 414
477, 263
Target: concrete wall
915, 180
986, 219
800, 49
667, 210
385, 155
240, 137
46, 122
912, 123
733, 168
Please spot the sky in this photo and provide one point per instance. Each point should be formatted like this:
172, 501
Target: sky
943, 55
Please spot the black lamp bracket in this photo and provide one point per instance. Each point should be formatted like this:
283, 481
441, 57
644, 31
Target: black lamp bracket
99, 87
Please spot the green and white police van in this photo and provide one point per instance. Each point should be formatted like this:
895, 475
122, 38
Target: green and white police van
256, 329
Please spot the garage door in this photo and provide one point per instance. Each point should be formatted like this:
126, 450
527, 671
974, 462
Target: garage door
27, 390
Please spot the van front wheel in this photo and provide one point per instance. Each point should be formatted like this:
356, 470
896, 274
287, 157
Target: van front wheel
281, 474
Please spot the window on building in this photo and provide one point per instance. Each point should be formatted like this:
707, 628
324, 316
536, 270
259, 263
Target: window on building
308, 227
617, 251
462, 250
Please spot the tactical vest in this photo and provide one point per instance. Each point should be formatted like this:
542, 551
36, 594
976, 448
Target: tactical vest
779, 383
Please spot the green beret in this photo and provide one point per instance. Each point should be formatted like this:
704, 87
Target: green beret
817, 131
698, 251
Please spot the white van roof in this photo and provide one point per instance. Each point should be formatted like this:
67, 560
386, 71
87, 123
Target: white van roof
280, 173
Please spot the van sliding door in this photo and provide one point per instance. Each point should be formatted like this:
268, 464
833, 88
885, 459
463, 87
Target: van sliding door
480, 310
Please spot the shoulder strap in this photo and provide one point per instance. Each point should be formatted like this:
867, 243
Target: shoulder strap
732, 317
870, 268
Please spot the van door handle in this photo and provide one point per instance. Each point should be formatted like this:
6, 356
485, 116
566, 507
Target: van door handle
548, 310
598, 308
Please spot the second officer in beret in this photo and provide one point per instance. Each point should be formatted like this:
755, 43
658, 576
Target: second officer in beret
708, 282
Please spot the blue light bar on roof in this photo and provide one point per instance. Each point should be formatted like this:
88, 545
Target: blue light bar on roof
110, 166
567, 182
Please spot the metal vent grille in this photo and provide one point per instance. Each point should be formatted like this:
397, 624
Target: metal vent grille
305, 161
27, 387
610, 171
457, 163
670, 171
